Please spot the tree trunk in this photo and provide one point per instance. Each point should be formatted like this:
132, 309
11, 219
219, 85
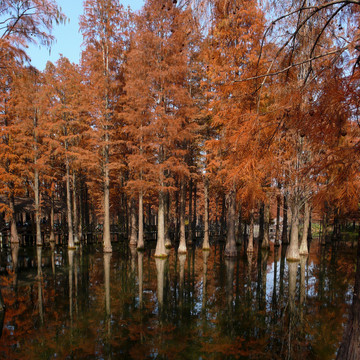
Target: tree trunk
206, 244
52, 219
160, 243
277, 230
167, 221
81, 215
140, 244
37, 206
190, 234
292, 253
106, 234
133, 230
68, 208
194, 212
14, 236
182, 245
261, 223
304, 245
250, 247
284, 235
266, 242
230, 248
75, 211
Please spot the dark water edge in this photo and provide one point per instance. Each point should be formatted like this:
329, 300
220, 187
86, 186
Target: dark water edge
84, 304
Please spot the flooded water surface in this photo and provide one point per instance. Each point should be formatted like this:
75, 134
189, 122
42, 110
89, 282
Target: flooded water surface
83, 304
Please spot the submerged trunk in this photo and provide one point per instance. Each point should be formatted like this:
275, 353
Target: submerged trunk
160, 243
304, 245
350, 345
266, 242
160, 267
140, 244
292, 253
133, 230
182, 245
230, 248
250, 247
107, 261
14, 236
140, 277
206, 244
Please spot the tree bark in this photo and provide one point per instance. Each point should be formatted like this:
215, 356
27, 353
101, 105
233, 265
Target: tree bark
75, 211
133, 230
206, 244
52, 219
106, 234
160, 250
190, 233
167, 221
140, 244
230, 248
14, 236
68, 208
37, 206
250, 247
304, 245
284, 235
266, 242
277, 229
182, 244
292, 253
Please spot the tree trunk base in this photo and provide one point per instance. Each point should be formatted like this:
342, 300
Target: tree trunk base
168, 245
71, 247
141, 248
205, 248
161, 256
107, 249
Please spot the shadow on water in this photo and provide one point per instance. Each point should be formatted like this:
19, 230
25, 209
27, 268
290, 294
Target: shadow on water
201, 305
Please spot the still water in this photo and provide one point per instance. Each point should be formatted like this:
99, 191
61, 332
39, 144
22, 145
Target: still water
84, 304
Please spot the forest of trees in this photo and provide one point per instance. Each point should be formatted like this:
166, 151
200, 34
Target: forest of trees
187, 120
210, 114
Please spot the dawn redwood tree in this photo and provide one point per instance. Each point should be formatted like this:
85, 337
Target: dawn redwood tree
160, 118
65, 126
233, 47
22, 22
28, 85
104, 26
12, 164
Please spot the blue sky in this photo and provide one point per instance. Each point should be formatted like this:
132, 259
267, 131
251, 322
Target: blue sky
68, 38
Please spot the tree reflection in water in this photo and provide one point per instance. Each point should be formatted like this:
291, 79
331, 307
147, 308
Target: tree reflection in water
199, 305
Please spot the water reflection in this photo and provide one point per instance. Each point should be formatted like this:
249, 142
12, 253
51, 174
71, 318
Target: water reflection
200, 305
